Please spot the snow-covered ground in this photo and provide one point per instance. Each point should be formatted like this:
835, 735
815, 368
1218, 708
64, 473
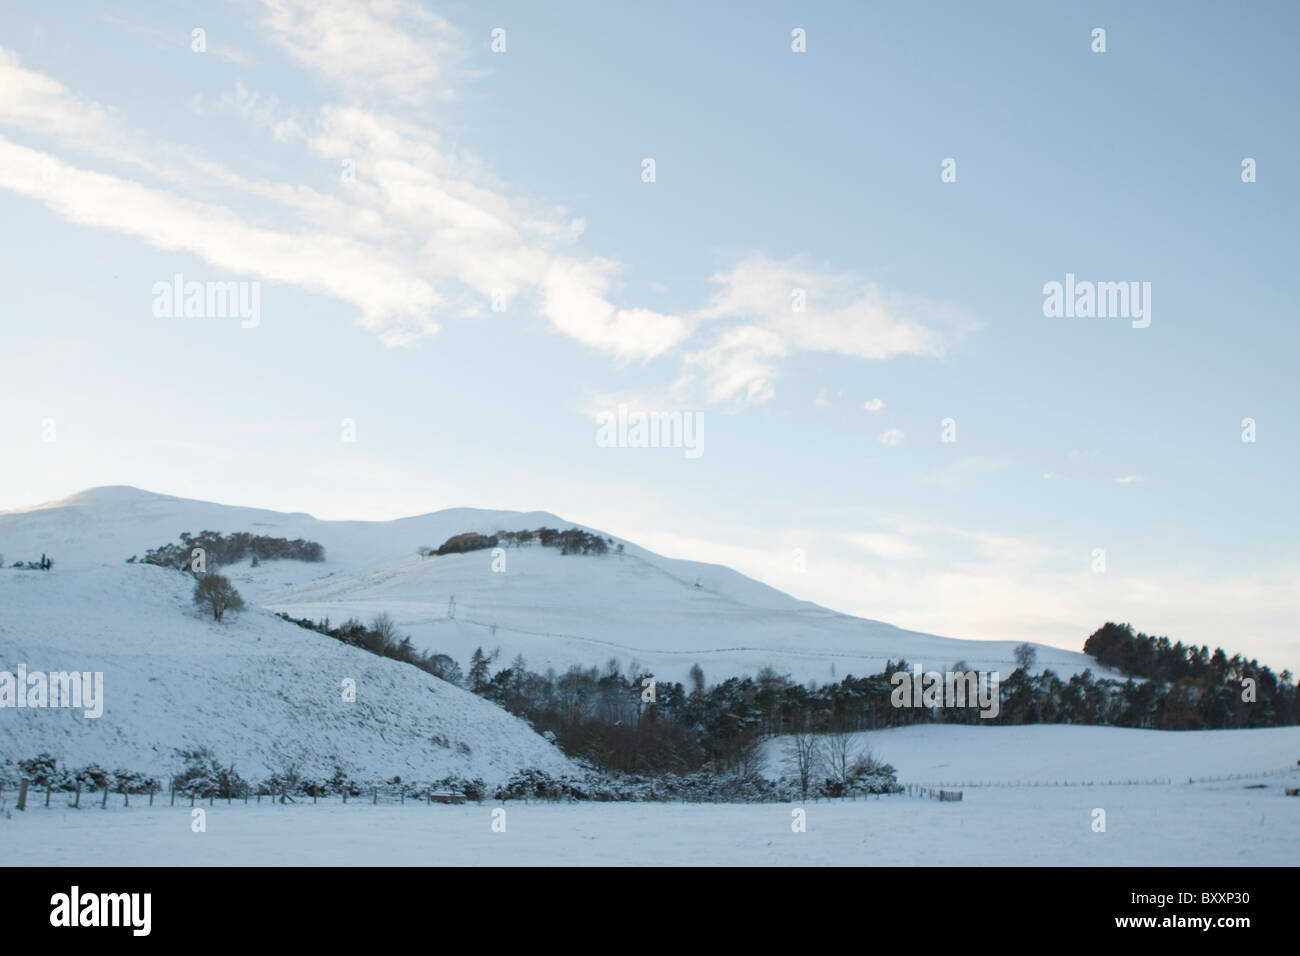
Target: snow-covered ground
1179, 825
266, 695
638, 607
1050, 754
1247, 821
259, 692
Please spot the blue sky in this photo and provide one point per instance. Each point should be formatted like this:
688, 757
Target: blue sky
129, 158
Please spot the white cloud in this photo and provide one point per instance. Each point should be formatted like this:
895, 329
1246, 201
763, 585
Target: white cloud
262, 112
891, 437
740, 365
572, 298
423, 229
874, 404
416, 232
1130, 480
395, 48
843, 314
392, 302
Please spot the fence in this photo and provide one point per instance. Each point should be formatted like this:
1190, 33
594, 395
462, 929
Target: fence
932, 793
1138, 782
388, 795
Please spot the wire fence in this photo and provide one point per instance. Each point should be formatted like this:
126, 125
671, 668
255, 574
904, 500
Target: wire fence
1136, 782
27, 796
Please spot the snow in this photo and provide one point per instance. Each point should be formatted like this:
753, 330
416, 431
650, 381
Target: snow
257, 691
639, 607
1050, 754
1181, 825
266, 695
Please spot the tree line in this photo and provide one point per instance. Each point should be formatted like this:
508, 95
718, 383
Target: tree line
227, 549
572, 541
610, 718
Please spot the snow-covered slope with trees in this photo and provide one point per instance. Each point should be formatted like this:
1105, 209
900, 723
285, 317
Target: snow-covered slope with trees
256, 691
633, 607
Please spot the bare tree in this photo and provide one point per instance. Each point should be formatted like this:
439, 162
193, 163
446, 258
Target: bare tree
748, 758
217, 594
1026, 657
383, 625
840, 753
804, 755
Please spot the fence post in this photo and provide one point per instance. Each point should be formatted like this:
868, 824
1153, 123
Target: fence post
103, 804
77, 804
151, 793
374, 795
191, 798
345, 795
48, 788
172, 784
126, 796
22, 795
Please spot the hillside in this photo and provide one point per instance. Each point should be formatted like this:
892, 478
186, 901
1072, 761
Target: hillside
663, 613
259, 692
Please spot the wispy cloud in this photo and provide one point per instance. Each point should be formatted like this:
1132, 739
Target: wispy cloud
787, 306
393, 48
417, 230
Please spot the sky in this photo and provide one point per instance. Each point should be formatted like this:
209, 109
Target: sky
823, 232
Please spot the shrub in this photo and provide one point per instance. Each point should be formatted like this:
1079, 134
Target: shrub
461, 543
204, 777
217, 594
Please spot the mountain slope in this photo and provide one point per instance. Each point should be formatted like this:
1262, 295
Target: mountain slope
259, 692
662, 613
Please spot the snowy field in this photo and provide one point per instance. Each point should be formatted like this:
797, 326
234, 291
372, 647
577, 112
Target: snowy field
1174, 825
1051, 754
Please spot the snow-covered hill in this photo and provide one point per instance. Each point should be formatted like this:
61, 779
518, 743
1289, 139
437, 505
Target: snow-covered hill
261, 693
662, 613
